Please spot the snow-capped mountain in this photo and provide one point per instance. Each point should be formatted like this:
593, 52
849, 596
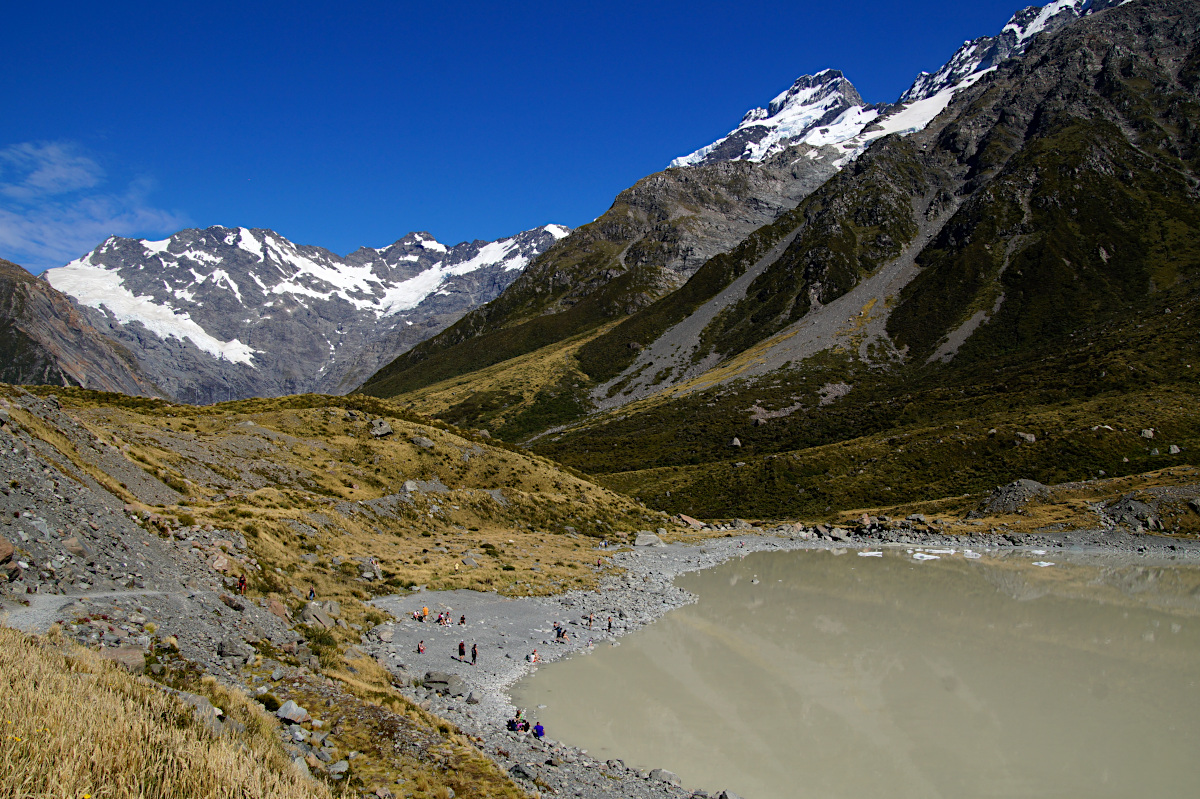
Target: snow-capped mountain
226, 313
825, 109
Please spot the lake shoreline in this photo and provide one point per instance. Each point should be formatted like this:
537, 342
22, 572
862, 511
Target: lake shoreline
507, 630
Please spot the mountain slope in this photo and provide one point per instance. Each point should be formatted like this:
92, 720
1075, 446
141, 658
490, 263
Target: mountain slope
227, 313
1029, 259
630, 258
652, 239
44, 339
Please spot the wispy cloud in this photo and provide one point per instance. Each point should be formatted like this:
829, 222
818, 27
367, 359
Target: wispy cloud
56, 204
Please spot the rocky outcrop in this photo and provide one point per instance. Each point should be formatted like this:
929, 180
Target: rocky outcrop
46, 340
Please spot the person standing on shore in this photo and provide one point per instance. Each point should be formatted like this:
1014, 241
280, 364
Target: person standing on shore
610, 624
474, 653
462, 650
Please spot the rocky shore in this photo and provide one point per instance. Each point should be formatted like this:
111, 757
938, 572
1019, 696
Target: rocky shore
639, 590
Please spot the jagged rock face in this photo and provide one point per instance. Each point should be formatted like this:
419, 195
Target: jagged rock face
221, 313
45, 339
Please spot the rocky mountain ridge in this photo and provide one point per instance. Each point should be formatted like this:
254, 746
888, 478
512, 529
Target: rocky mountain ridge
825, 109
227, 313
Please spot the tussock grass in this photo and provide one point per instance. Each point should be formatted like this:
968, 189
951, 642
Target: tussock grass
75, 726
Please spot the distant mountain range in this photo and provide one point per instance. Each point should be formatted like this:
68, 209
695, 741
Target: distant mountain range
228, 313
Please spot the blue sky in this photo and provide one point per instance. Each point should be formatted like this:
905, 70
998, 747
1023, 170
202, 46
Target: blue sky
353, 123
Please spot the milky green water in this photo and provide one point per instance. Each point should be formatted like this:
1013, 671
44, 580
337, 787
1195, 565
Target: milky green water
847, 676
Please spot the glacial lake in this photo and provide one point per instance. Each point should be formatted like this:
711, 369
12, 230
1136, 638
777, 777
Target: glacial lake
829, 674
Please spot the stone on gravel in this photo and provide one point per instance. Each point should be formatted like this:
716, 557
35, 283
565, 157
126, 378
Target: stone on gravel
313, 613
233, 603
277, 608
662, 775
521, 772
422, 442
290, 711
695, 524
233, 648
647, 539
76, 548
380, 428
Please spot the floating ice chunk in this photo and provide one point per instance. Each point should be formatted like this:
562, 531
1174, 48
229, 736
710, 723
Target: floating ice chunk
942, 551
870, 554
925, 556
972, 555
1038, 551
1042, 563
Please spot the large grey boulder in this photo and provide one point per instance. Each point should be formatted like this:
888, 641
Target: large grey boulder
647, 539
380, 428
313, 613
662, 775
290, 711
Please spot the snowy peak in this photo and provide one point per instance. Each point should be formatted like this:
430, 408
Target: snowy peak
825, 109
251, 299
983, 54
814, 109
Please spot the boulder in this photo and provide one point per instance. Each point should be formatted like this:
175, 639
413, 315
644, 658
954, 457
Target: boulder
290, 711
1173, 450
6, 550
411, 486
277, 608
76, 547
647, 539
340, 767
1026, 438
221, 563
736, 442
662, 775
422, 442
233, 602
521, 772
695, 524
1194, 504
1148, 432
380, 428
615, 764
233, 648
314, 614
470, 561
332, 608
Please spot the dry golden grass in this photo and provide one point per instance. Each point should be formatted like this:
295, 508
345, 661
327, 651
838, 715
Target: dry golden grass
77, 726
523, 377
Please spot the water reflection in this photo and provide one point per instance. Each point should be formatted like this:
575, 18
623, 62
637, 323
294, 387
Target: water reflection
835, 675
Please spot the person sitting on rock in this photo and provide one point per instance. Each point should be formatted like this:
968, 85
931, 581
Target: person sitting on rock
462, 620
462, 649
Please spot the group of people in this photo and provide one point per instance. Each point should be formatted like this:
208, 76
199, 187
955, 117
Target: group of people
519, 724
443, 619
